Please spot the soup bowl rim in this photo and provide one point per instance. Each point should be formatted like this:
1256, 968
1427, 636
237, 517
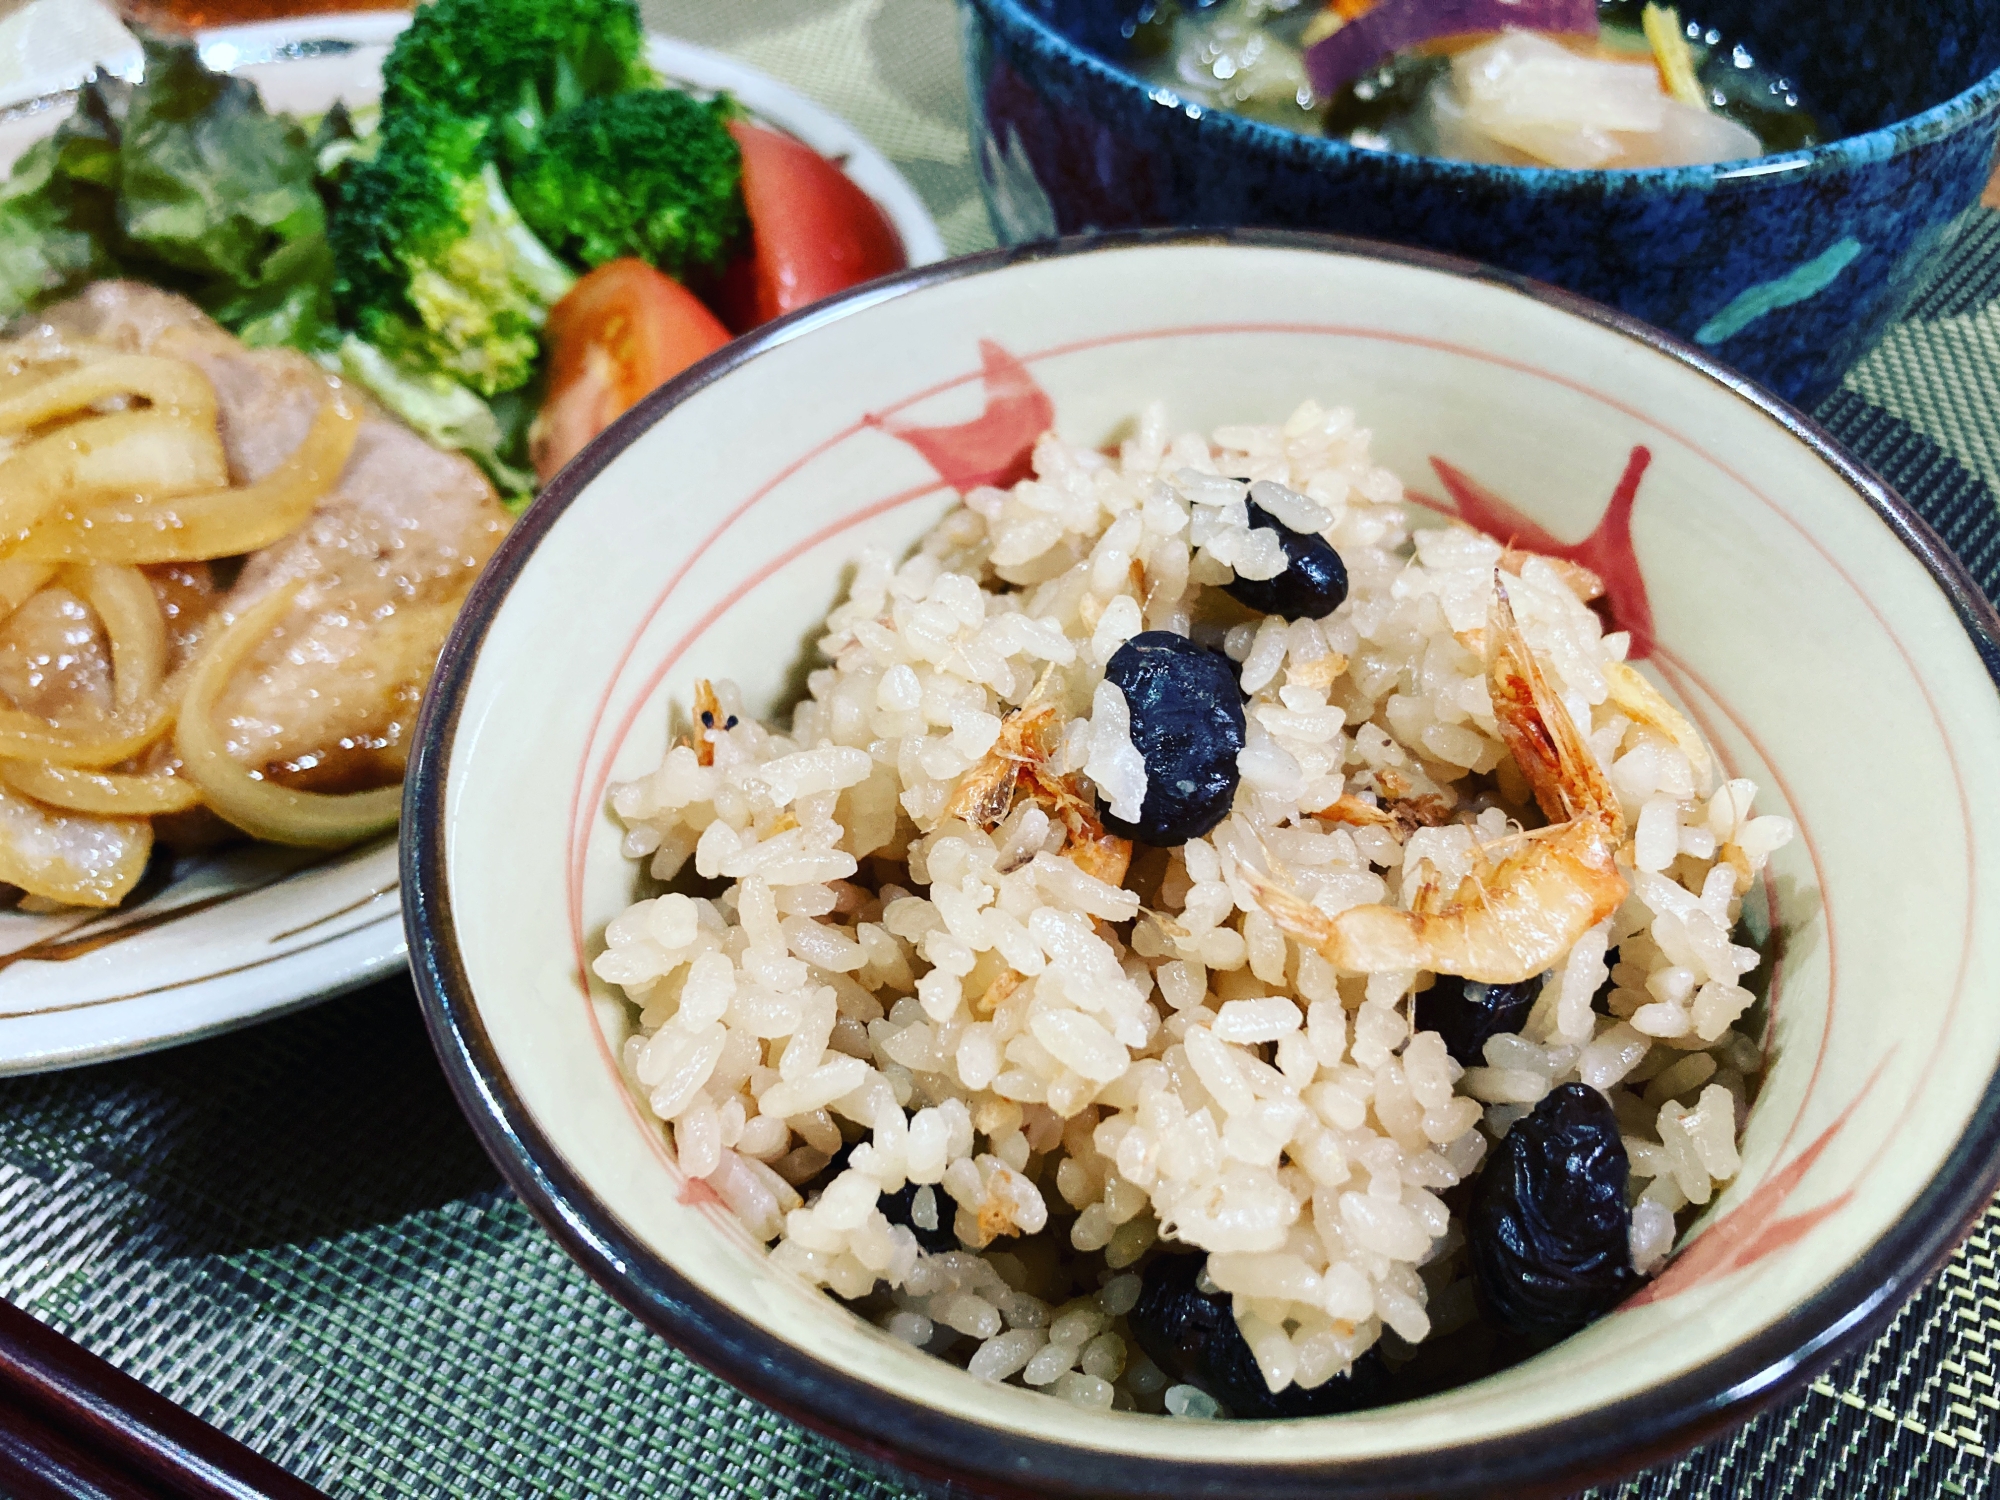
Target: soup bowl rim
1980, 100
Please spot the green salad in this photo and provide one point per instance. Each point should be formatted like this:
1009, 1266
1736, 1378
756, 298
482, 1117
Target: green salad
416, 249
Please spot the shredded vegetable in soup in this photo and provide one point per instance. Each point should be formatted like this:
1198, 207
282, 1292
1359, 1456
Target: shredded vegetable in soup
1562, 83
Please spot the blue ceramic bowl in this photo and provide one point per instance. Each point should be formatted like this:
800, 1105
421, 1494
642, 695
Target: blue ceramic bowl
1789, 267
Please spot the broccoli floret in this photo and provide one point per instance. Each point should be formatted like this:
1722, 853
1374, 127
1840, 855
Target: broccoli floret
433, 264
515, 62
653, 174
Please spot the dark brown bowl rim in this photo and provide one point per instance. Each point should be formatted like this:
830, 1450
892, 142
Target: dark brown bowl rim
1553, 1459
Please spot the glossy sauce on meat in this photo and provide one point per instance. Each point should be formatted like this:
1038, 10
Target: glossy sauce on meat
329, 701
54, 658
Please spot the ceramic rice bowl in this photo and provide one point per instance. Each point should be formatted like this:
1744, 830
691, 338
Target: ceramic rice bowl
1816, 630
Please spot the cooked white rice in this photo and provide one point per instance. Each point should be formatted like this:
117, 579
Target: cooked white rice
1068, 1076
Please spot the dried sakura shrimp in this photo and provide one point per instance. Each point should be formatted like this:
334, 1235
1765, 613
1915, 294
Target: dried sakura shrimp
1513, 922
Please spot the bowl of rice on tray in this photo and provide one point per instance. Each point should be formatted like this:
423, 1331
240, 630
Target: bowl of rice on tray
1237, 864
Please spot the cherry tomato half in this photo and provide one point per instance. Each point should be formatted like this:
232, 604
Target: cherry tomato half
622, 330
815, 232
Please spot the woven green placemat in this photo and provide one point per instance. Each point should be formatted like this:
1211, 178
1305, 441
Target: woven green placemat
292, 1232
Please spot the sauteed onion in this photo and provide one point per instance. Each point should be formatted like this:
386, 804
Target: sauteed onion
112, 464
253, 803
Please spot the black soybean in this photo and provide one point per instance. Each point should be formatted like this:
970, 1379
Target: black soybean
1192, 1335
1187, 724
1314, 581
1548, 1231
1465, 1013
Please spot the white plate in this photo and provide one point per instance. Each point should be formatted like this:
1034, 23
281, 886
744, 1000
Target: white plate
232, 939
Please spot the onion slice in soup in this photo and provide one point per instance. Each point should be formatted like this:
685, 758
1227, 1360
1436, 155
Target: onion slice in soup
1337, 60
